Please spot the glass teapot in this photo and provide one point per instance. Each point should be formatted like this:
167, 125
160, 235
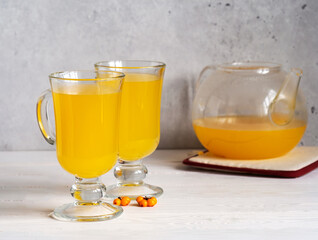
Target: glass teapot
251, 110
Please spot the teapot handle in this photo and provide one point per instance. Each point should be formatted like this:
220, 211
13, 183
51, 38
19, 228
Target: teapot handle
203, 75
282, 108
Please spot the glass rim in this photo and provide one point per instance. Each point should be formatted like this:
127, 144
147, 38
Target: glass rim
58, 75
250, 67
147, 64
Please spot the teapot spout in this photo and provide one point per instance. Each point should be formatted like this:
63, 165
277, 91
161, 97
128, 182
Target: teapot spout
282, 108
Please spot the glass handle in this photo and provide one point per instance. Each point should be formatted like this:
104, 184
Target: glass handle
43, 117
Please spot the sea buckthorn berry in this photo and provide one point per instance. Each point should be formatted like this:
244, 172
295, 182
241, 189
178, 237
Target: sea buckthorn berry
154, 199
138, 199
151, 202
146, 201
143, 203
117, 201
125, 201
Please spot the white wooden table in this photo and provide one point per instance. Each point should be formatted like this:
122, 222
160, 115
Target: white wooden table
196, 204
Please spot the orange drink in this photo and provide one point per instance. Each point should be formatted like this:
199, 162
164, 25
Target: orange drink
247, 137
86, 122
139, 125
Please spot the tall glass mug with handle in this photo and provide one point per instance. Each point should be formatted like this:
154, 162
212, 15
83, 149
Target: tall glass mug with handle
86, 107
139, 124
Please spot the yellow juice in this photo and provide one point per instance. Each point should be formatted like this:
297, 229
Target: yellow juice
247, 137
139, 127
86, 119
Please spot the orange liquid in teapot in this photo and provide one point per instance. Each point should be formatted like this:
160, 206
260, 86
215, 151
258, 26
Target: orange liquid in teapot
248, 137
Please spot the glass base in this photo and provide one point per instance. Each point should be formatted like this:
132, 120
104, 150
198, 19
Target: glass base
133, 190
86, 212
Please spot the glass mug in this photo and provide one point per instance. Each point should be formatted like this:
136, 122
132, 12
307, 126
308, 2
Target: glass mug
86, 105
139, 124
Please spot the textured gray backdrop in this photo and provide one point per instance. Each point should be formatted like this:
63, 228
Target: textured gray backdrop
40, 37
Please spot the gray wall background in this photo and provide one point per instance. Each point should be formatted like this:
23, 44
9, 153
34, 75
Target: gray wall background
40, 37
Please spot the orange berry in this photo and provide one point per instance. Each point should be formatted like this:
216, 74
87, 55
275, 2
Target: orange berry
140, 198
117, 201
151, 202
143, 203
125, 201
154, 199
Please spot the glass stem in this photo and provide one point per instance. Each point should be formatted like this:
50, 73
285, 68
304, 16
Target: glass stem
88, 190
130, 172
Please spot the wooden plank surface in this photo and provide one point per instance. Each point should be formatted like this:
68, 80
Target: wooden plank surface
196, 204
